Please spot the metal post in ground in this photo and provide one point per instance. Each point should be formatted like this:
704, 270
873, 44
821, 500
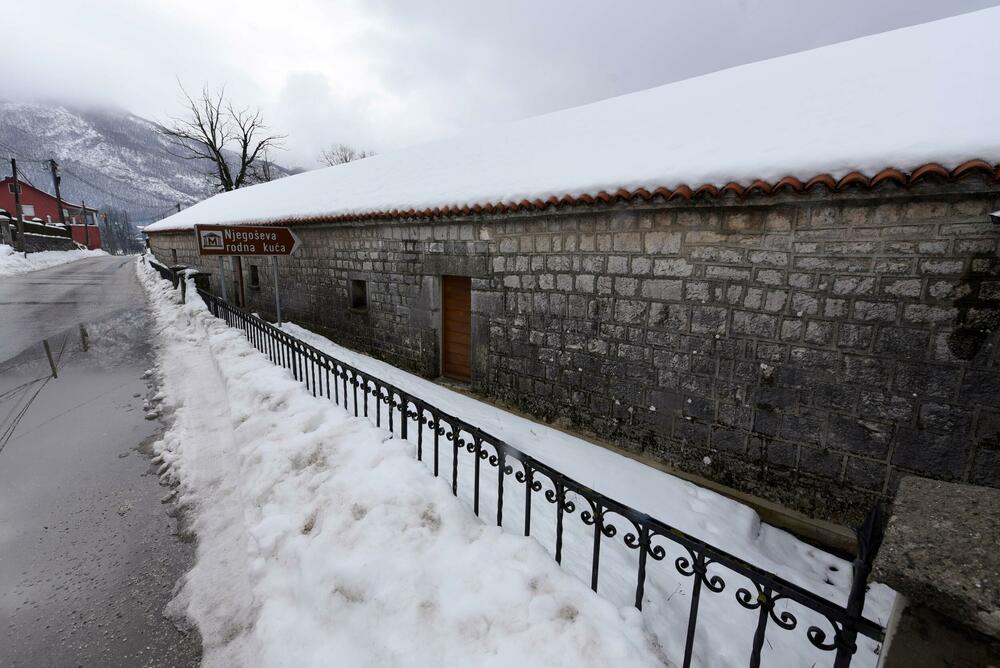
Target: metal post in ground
222, 279
48, 353
86, 228
17, 206
869, 536
277, 298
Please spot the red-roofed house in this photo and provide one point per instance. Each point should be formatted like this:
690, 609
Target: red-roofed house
41, 207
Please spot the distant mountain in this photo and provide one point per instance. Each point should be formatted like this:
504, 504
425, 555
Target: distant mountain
108, 157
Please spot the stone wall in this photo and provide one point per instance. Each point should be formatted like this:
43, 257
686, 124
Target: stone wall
401, 264
805, 348
35, 243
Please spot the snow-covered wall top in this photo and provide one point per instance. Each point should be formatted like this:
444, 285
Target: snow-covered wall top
928, 93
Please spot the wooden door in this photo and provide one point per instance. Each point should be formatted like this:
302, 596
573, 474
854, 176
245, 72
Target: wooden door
456, 327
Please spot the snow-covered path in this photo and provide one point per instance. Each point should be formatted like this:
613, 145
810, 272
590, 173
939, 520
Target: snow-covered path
200, 453
322, 541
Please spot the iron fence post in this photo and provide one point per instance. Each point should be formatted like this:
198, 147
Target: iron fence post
869, 535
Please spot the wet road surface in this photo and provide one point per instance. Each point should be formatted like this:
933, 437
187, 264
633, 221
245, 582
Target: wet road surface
89, 555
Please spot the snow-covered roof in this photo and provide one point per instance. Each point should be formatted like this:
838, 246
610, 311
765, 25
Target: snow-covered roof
884, 106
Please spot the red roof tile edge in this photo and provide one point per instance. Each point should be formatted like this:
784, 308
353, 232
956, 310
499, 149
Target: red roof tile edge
681, 192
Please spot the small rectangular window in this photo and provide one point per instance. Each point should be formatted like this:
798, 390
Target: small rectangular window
359, 295
28, 210
173, 255
254, 277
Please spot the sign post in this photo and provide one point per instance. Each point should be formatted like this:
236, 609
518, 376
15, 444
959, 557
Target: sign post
277, 300
222, 278
247, 240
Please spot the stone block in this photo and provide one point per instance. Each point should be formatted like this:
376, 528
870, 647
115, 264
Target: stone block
940, 455
855, 336
662, 243
755, 324
669, 316
708, 320
940, 550
884, 311
728, 273
854, 285
628, 242
662, 289
860, 436
941, 266
626, 287
902, 287
617, 264
672, 267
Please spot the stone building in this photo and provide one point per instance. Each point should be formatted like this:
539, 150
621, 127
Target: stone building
806, 329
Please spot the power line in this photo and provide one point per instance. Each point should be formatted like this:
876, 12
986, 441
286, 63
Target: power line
24, 176
21, 154
15, 416
111, 194
148, 211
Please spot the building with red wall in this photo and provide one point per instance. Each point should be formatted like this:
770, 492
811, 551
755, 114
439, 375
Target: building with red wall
40, 205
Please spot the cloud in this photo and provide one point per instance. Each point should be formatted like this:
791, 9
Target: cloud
388, 73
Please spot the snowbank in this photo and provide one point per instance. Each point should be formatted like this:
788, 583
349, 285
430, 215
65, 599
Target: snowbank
724, 633
321, 541
12, 262
900, 99
321, 536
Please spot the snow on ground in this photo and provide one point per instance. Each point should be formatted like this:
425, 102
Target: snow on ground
886, 100
725, 630
321, 540
12, 262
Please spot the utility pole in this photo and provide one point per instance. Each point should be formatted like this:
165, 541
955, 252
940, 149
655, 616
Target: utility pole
86, 226
54, 168
17, 204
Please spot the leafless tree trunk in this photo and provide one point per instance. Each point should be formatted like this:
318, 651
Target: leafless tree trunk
231, 140
264, 171
338, 154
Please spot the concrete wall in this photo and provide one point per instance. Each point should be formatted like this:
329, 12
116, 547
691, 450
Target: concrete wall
804, 348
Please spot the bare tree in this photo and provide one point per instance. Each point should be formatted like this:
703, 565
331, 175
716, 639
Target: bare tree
338, 154
233, 141
264, 171
118, 235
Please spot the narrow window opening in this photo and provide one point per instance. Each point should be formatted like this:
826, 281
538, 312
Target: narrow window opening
173, 255
254, 277
359, 295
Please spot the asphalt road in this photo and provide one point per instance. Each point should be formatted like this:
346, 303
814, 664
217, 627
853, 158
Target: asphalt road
89, 555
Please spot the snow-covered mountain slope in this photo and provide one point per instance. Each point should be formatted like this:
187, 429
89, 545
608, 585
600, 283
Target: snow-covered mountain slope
109, 157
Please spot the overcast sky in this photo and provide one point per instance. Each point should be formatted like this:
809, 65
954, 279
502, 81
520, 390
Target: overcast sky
387, 73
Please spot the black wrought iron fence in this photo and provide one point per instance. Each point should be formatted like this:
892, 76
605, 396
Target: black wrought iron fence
496, 463
165, 273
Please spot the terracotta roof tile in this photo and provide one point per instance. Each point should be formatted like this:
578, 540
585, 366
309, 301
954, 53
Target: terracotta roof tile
760, 187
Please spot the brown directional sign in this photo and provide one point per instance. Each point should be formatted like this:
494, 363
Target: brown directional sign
245, 240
